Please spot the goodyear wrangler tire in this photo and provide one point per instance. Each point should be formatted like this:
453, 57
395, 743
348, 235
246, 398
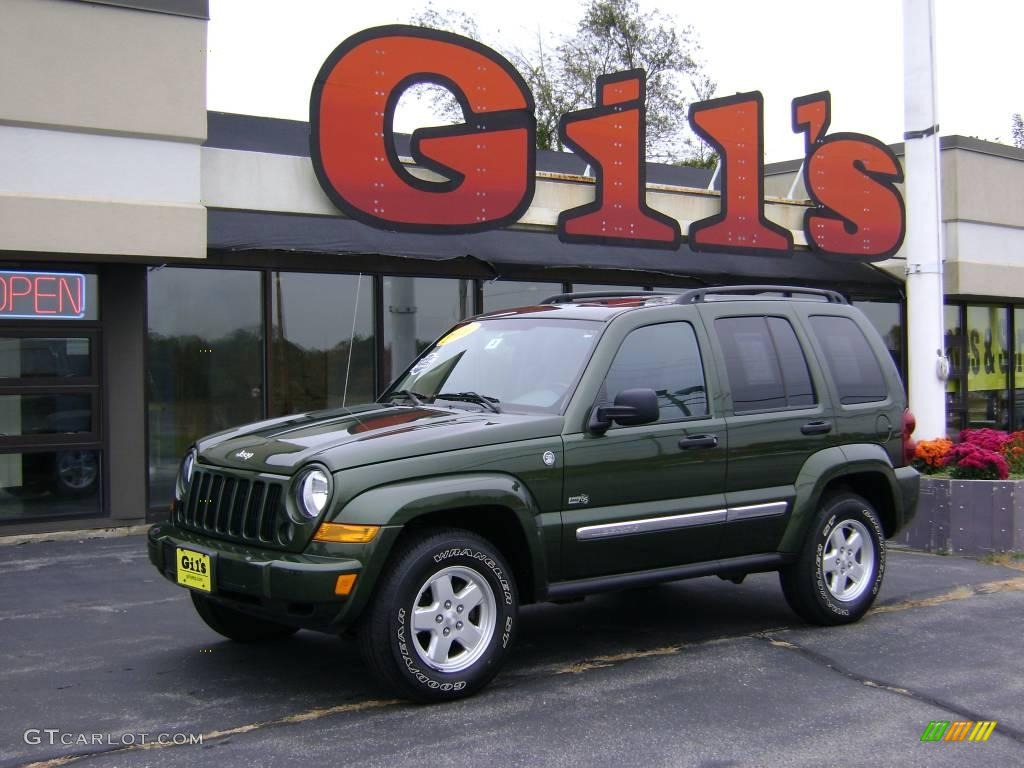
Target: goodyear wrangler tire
443, 618
838, 573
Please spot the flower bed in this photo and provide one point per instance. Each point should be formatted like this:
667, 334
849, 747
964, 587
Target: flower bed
972, 494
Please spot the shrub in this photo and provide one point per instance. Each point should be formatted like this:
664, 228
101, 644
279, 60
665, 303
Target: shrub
1013, 452
990, 439
930, 455
969, 461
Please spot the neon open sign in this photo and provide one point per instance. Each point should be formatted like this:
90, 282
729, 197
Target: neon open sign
39, 295
488, 162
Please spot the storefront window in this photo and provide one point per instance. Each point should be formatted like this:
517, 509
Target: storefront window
49, 484
322, 343
205, 362
886, 316
505, 294
955, 352
988, 366
417, 310
1018, 365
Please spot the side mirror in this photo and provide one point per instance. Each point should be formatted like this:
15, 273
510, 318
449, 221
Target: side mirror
632, 407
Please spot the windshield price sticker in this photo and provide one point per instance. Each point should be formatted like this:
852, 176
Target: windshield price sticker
458, 333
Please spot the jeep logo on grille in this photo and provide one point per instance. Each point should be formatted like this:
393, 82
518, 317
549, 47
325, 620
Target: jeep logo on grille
244, 455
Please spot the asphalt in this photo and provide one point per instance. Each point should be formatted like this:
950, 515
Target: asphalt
698, 673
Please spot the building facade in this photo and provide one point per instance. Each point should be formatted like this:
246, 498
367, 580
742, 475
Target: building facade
167, 272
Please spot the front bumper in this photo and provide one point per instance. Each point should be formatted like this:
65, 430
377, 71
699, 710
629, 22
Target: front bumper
288, 588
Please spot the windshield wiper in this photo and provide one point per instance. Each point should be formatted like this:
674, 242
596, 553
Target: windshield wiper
408, 394
490, 403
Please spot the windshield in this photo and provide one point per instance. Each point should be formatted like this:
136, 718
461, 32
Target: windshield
502, 364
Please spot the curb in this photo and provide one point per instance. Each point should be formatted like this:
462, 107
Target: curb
81, 535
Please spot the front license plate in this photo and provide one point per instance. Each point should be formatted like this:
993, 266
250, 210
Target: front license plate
194, 569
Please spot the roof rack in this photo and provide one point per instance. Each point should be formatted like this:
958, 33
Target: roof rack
699, 295
569, 298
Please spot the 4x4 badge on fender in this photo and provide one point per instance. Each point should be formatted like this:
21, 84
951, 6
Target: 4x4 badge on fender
548, 458
581, 499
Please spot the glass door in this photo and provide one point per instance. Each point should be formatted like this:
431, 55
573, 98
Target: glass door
50, 427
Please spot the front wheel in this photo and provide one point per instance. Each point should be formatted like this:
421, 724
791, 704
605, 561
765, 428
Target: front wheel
443, 618
238, 626
838, 573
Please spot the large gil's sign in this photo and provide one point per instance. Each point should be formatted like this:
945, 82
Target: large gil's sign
488, 162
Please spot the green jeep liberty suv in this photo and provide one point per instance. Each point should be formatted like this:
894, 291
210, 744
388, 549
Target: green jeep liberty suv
594, 442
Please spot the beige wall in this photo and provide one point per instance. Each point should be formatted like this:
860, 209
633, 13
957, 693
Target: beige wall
101, 68
86, 91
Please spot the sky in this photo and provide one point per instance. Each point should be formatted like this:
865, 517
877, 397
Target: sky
264, 54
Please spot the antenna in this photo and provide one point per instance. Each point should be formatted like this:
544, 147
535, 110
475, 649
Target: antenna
352, 339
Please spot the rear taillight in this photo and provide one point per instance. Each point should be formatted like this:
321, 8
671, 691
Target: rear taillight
909, 446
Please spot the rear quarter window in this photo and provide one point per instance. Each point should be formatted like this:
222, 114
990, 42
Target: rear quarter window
850, 360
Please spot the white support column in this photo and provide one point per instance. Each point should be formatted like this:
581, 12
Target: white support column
925, 336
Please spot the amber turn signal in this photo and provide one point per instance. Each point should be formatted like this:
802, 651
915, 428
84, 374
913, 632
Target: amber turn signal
346, 534
344, 584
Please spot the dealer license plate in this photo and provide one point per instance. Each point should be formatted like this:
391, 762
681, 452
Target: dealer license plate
194, 569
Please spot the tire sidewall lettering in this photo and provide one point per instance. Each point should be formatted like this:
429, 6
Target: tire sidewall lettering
485, 564
869, 519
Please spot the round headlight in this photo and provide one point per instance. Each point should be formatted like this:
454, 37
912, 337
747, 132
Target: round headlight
313, 492
185, 475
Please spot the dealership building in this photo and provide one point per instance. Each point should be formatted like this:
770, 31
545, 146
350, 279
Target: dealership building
167, 271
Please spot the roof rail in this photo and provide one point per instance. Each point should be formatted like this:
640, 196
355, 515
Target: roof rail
568, 298
698, 295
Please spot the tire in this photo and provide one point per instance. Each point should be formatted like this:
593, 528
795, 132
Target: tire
76, 473
838, 573
238, 626
443, 617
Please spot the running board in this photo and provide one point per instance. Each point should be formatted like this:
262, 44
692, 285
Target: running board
564, 590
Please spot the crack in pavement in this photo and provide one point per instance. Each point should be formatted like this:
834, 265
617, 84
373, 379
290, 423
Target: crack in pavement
831, 664
301, 717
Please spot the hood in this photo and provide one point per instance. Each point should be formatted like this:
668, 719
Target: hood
350, 437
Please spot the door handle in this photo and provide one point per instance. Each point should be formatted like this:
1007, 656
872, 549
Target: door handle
816, 428
699, 441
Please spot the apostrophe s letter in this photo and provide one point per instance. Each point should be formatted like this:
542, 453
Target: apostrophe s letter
488, 161
611, 138
734, 126
851, 179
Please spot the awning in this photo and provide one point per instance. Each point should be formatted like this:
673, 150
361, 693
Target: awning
504, 250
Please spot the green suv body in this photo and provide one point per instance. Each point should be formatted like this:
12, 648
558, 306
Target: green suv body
591, 443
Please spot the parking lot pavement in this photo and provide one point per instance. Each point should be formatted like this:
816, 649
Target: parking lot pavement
702, 673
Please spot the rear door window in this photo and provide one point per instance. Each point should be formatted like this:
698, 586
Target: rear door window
765, 364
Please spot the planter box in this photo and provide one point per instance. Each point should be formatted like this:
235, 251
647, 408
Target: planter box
968, 517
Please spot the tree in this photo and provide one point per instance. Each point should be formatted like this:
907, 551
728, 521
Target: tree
1017, 130
612, 35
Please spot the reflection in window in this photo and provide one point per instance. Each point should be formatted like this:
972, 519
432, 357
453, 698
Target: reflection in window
417, 310
955, 352
886, 316
205, 362
1018, 367
988, 365
49, 484
322, 325
32, 357
753, 348
851, 361
506, 294
664, 358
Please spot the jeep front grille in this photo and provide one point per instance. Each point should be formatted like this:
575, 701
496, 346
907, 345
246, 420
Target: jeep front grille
236, 508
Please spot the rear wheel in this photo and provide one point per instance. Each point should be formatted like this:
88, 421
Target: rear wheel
443, 618
238, 626
838, 573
